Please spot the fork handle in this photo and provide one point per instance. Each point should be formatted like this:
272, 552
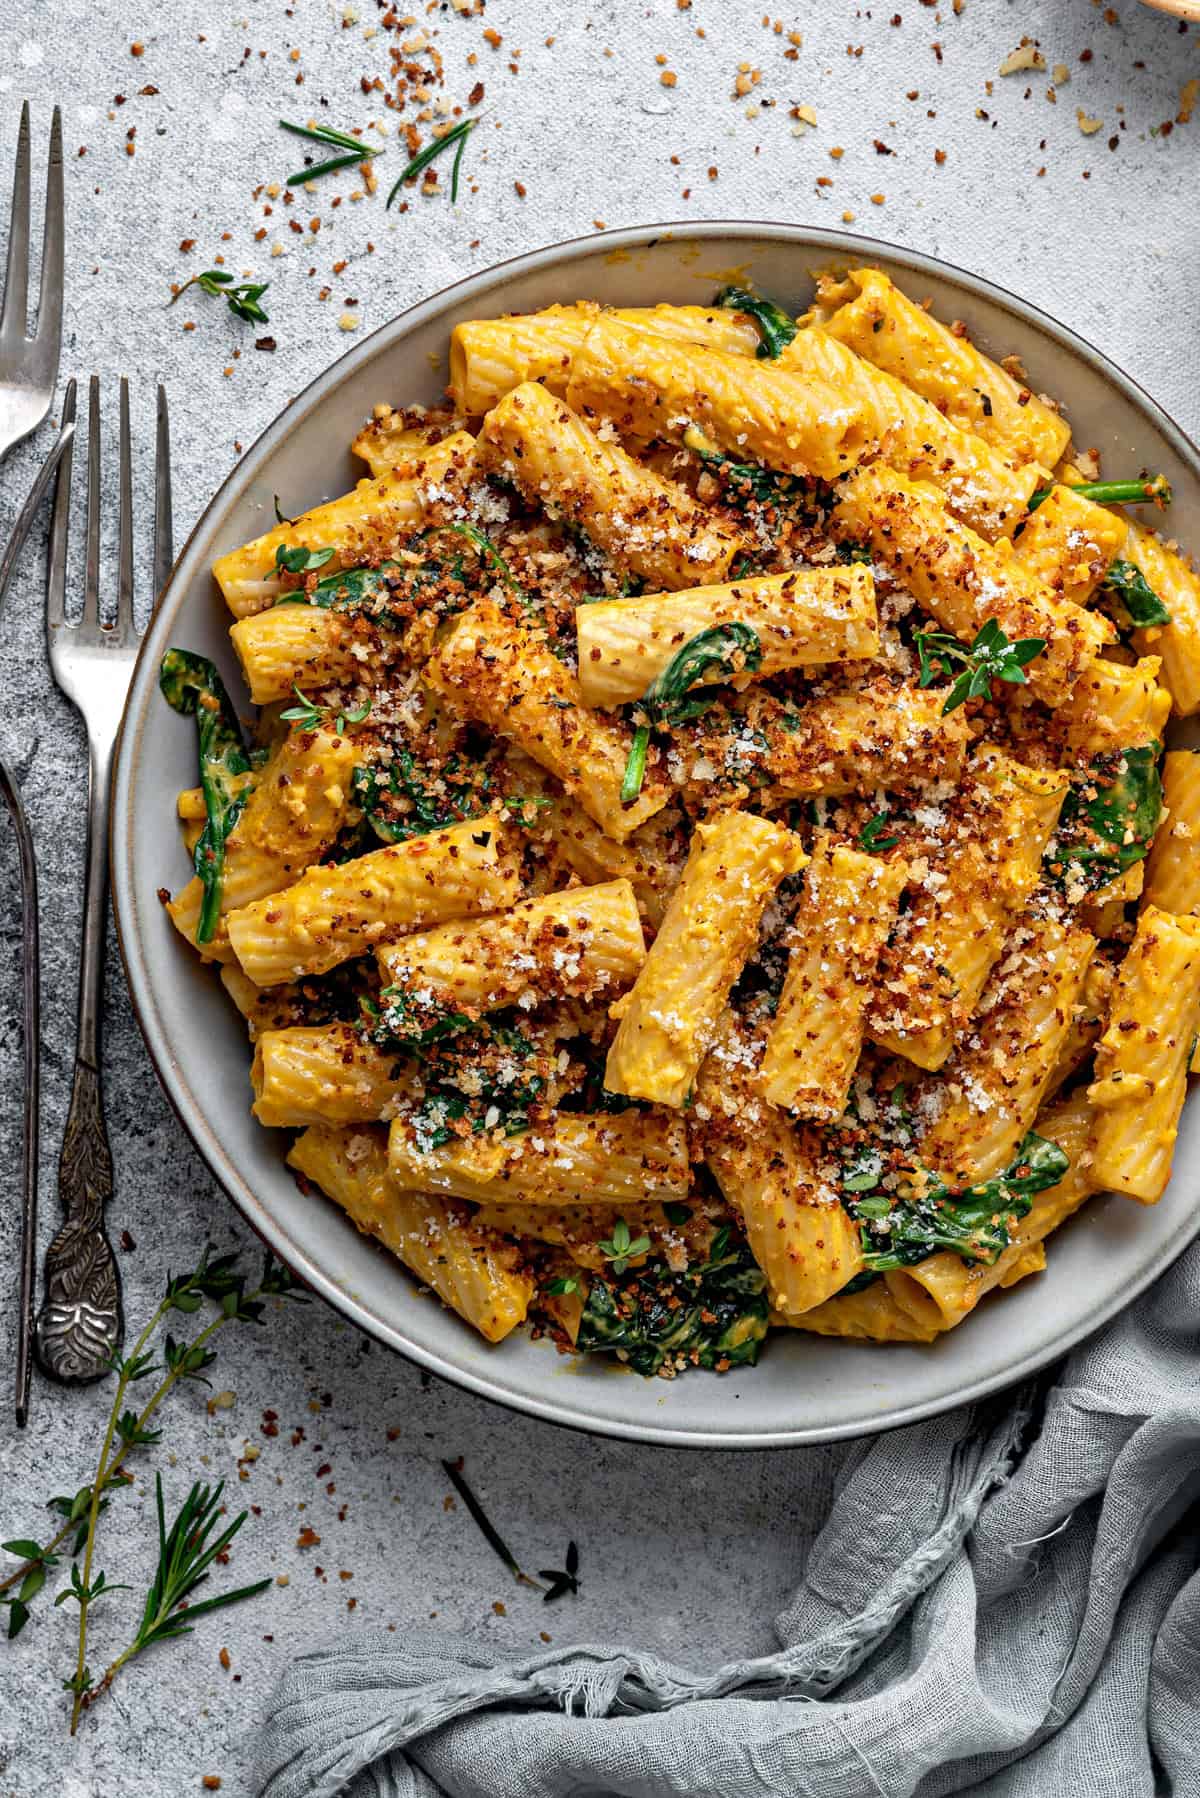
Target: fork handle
79, 1326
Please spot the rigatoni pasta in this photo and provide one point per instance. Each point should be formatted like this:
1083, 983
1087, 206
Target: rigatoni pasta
707, 858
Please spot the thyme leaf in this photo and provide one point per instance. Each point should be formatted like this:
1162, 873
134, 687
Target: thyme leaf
991, 657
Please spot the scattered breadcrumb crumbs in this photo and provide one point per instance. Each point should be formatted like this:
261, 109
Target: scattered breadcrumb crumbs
1087, 125
1025, 56
877, 199
225, 1660
137, 49
308, 1538
211, 1782
668, 78
939, 156
805, 115
349, 321
1187, 101
500, 1609
1061, 74
847, 218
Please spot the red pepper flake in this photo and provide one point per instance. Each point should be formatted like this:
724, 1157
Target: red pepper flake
138, 49
211, 1782
127, 1242
493, 38
939, 156
882, 149
520, 187
712, 173
264, 343
476, 94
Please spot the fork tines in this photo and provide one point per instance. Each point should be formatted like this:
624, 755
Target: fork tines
29, 359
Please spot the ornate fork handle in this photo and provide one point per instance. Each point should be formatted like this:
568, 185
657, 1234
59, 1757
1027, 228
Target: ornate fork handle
79, 1325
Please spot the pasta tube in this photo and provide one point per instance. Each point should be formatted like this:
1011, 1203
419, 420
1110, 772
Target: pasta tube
655, 388
943, 1289
807, 617
991, 1089
325, 1074
646, 525
472, 1269
288, 646
1113, 707
711, 925
1142, 1058
870, 1315
1069, 543
582, 943
1173, 868
616, 1158
879, 735
297, 806
980, 485
1091, 1012
389, 441
963, 580
805, 1242
361, 526
504, 675
871, 315
351, 908
948, 940
1177, 585
846, 911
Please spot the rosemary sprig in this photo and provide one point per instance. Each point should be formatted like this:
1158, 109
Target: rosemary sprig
457, 134
242, 297
185, 1554
355, 151
216, 1280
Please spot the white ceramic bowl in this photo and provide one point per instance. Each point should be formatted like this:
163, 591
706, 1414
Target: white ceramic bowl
805, 1389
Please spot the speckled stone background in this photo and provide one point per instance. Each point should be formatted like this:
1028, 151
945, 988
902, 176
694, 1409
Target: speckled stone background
1078, 193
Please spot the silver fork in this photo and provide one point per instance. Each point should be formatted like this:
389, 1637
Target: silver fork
79, 1327
29, 363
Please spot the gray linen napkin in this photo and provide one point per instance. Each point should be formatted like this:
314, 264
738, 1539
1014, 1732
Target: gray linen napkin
1004, 1601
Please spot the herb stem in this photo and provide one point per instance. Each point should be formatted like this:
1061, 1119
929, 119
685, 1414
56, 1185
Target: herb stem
1115, 493
457, 134
635, 767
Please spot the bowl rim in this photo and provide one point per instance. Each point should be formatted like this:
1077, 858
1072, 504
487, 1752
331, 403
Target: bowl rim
492, 1384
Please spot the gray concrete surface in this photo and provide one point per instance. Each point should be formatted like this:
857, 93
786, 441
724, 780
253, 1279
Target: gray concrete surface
689, 1553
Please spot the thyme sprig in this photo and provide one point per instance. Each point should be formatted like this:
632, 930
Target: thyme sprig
562, 1579
215, 1280
622, 1247
457, 134
990, 657
309, 715
242, 297
354, 151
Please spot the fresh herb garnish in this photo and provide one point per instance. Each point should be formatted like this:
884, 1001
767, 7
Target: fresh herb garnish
297, 558
1156, 490
990, 657
712, 1315
1129, 586
669, 700
774, 327
973, 1222
560, 1287
191, 685
215, 1280
309, 715
242, 297
622, 1248
1109, 817
457, 134
354, 151
487, 1529
871, 837
854, 552
562, 1579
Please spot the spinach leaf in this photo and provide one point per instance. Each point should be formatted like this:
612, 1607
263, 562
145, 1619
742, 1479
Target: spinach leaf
974, 1222
1108, 818
713, 1315
191, 685
398, 802
775, 328
747, 482
670, 699
1141, 603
